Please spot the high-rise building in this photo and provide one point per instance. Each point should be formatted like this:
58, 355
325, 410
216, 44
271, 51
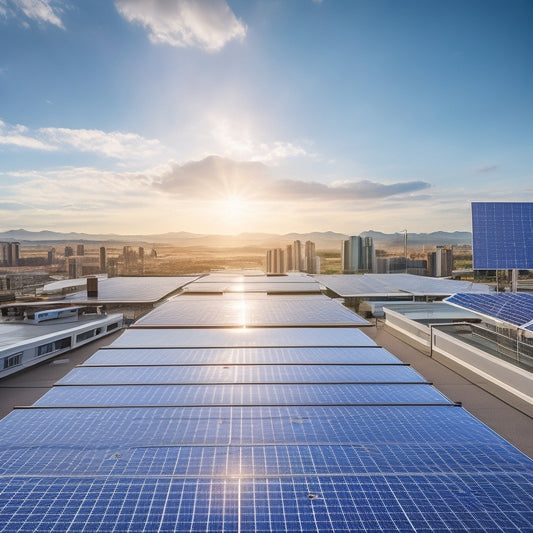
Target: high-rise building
51, 256
80, 249
351, 253
440, 262
368, 255
275, 261
69, 251
288, 258
9, 253
297, 256
102, 259
312, 261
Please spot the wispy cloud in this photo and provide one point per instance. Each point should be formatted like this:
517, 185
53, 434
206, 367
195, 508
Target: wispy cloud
209, 24
116, 145
41, 11
216, 176
487, 168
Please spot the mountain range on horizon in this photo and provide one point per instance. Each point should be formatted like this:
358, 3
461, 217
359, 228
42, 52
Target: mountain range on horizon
323, 240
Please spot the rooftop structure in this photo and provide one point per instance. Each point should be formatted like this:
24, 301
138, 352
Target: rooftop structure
217, 426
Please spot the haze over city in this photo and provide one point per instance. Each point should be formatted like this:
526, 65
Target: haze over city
139, 116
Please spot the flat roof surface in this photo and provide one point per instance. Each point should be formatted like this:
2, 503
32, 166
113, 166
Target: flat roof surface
430, 311
133, 289
13, 334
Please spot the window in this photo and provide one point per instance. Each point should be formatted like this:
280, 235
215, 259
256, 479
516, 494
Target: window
12, 360
111, 327
85, 335
45, 348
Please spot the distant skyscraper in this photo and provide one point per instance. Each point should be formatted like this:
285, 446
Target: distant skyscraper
297, 256
80, 249
9, 253
69, 251
440, 262
102, 259
275, 261
312, 262
51, 256
351, 255
358, 255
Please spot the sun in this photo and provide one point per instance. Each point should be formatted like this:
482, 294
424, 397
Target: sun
235, 207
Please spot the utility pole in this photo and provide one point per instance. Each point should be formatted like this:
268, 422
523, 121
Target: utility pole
405, 247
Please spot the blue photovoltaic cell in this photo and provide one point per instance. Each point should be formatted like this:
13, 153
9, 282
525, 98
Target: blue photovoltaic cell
241, 337
515, 308
258, 461
240, 374
502, 235
167, 426
240, 395
431, 502
229, 356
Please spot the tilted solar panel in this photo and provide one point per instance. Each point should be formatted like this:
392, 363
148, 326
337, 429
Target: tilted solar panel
502, 235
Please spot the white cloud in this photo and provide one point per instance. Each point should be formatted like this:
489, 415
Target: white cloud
114, 144
42, 11
209, 24
110, 144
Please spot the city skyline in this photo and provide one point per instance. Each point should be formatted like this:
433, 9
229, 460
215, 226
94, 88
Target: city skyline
223, 117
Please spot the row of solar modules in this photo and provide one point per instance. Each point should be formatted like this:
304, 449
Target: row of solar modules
513, 308
254, 428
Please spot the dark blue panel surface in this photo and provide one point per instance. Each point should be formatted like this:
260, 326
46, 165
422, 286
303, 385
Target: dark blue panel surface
258, 394
166, 426
502, 235
241, 374
432, 502
515, 308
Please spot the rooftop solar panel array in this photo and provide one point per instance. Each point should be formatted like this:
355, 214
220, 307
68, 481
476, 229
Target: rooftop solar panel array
514, 308
254, 429
395, 286
502, 235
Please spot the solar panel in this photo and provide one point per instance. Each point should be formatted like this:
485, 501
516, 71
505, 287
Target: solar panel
502, 235
240, 374
241, 337
248, 312
242, 356
131, 427
514, 308
235, 394
438, 502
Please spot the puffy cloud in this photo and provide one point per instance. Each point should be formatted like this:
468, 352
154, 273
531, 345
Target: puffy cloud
117, 145
43, 11
209, 24
215, 176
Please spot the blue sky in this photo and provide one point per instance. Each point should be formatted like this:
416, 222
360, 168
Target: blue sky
213, 116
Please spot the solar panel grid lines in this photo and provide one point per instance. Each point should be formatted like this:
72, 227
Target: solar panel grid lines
514, 308
220, 374
502, 235
270, 430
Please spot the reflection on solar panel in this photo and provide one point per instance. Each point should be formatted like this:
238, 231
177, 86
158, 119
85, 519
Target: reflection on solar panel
248, 311
514, 308
241, 356
240, 374
254, 429
502, 235
241, 337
